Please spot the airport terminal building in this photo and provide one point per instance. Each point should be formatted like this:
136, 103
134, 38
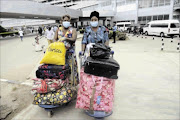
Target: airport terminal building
134, 11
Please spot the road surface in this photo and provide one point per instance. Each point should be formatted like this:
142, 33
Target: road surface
147, 88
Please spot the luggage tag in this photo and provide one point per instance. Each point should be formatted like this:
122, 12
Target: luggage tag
98, 100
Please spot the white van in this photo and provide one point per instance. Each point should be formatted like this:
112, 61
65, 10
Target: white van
122, 26
162, 28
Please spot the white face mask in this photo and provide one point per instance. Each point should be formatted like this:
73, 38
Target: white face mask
66, 24
94, 23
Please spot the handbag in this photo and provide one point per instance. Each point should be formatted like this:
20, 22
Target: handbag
100, 51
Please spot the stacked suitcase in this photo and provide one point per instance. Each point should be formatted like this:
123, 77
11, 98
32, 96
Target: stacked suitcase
51, 87
97, 81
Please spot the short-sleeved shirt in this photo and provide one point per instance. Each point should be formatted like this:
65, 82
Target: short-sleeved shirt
114, 28
21, 33
49, 34
100, 36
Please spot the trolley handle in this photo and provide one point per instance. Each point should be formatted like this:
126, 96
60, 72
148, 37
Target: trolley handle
81, 53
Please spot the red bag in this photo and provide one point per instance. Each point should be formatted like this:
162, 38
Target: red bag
48, 85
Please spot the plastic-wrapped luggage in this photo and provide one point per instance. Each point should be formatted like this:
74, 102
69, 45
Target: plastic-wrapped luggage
95, 93
48, 71
47, 85
53, 67
100, 51
102, 67
59, 97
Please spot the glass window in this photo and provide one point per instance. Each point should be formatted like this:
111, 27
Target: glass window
161, 2
160, 17
167, 2
166, 17
154, 17
174, 25
144, 18
139, 18
127, 25
153, 25
120, 25
163, 25
159, 25
148, 18
155, 3
120, 3
149, 3
147, 25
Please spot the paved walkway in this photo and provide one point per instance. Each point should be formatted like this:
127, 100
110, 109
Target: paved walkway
147, 88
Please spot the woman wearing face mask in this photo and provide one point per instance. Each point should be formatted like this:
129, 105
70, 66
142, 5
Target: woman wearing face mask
68, 35
94, 33
66, 32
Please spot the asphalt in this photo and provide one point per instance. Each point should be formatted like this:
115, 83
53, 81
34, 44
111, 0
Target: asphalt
147, 87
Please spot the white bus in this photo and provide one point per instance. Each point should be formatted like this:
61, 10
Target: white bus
122, 26
162, 28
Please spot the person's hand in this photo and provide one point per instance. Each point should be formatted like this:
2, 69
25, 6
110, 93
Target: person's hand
82, 53
62, 39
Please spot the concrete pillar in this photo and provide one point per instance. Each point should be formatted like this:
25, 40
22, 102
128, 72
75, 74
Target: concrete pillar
72, 24
172, 9
111, 22
103, 22
76, 25
137, 9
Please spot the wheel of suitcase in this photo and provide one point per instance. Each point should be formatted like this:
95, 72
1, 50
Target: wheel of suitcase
50, 114
98, 115
99, 118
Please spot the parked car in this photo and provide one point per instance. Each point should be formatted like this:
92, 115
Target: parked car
162, 28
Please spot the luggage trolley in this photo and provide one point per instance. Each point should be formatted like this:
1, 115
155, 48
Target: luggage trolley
50, 108
98, 115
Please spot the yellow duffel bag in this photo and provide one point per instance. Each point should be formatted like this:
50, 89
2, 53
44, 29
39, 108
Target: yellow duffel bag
55, 54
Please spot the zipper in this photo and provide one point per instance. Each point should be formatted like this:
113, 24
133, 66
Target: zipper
97, 62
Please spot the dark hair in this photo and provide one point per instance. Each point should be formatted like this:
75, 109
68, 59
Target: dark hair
65, 16
94, 13
49, 28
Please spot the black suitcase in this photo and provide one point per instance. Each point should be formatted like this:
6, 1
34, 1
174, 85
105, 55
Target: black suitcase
102, 67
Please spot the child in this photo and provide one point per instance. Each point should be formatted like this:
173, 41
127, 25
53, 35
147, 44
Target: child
38, 48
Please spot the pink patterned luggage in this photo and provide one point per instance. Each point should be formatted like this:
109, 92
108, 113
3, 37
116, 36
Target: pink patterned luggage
95, 93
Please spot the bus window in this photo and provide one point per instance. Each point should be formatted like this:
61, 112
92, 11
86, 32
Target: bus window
160, 25
174, 25
120, 25
147, 25
127, 25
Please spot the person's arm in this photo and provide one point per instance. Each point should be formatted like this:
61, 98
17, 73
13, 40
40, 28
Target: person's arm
74, 36
107, 43
83, 47
106, 38
84, 41
56, 35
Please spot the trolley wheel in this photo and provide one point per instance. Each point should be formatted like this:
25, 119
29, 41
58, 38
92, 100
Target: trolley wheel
98, 118
50, 114
66, 104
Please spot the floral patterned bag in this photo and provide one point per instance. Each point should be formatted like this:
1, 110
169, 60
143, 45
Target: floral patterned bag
95, 93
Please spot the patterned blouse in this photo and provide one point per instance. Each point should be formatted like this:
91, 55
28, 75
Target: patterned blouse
101, 35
